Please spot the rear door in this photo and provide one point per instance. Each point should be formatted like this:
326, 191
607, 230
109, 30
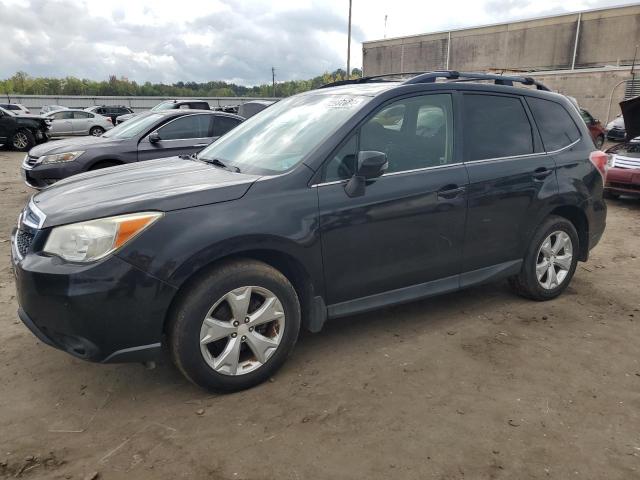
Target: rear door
80, 122
222, 124
182, 136
511, 179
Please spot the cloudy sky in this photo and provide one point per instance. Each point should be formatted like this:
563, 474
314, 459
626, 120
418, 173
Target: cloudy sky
233, 40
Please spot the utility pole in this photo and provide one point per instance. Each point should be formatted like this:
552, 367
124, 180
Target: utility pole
273, 80
349, 44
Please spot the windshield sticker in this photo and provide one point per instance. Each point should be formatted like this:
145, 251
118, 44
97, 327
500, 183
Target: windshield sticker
344, 102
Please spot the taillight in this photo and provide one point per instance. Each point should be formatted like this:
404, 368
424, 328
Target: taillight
601, 161
109, 120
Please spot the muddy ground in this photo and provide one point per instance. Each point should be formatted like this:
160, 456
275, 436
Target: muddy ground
479, 384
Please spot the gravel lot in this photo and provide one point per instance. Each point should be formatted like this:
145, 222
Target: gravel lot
479, 384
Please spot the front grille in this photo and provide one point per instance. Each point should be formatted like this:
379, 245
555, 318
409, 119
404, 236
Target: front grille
626, 162
23, 242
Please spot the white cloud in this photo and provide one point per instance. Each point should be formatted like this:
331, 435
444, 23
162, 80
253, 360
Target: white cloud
196, 40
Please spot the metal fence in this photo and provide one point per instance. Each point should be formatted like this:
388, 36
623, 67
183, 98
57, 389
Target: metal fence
34, 102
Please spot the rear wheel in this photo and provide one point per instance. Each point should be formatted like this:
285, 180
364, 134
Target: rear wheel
550, 261
23, 140
235, 326
96, 131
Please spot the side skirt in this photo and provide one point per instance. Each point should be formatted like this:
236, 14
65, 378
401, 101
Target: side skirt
424, 290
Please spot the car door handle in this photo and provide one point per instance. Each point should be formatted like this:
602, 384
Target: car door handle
450, 191
541, 173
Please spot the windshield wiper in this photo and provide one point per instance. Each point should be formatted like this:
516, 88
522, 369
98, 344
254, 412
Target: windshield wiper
218, 163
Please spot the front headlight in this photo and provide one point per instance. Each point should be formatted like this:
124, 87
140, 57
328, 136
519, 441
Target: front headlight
61, 157
90, 241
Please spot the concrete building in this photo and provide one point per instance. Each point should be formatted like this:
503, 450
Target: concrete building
587, 55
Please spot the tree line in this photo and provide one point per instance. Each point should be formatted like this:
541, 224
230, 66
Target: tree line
23, 84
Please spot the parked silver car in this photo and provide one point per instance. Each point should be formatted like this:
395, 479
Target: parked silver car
51, 108
77, 122
16, 108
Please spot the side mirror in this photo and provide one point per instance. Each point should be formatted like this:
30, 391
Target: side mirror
154, 137
371, 164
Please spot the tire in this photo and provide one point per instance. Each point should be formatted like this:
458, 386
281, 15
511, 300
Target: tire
246, 282
23, 140
611, 195
599, 141
527, 283
96, 131
104, 164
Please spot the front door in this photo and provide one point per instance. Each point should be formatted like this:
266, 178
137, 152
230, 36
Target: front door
183, 136
61, 123
6, 125
407, 229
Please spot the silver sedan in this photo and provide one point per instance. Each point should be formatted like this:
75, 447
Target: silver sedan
77, 122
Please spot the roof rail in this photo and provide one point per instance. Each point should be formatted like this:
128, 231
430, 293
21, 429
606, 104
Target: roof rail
430, 77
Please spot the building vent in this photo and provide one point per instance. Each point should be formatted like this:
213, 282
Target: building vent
632, 88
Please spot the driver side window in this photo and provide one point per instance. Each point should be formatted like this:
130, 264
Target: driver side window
414, 133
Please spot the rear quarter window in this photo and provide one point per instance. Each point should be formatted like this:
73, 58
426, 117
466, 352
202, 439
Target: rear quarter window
555, 125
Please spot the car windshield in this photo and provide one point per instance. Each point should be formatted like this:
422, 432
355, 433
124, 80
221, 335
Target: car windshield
281, 136
8, 112
163, 106
134, 126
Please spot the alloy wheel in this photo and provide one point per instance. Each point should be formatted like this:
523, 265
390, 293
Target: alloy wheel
20, 140
554, 260
242, 330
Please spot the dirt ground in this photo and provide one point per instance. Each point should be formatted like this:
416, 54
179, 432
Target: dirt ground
479, 384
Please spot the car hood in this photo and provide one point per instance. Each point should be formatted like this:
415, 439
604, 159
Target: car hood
617, 122
128, 116
161, 185
73, 144
631, 114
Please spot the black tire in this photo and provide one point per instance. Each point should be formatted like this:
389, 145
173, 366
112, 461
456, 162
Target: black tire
526, 283
96, 131
187, 317
611, 195
599, 141
104, 164
23, 140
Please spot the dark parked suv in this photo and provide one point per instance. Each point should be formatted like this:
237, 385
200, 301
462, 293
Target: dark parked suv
149, 136
329, 203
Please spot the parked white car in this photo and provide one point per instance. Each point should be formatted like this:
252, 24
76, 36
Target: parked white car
77, 122
16, 108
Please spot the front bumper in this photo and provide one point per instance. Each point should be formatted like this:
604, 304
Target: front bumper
109, 311
41, 176
623, 181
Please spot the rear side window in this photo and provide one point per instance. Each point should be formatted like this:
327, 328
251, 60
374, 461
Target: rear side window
495, 127
222, 125
556, 127
189, 126
82, 115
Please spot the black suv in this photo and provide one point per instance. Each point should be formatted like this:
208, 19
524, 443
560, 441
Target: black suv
111, 111
329, 203
21, 132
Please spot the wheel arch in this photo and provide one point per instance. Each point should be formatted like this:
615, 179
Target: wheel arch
285, 263
97, 162
579, 220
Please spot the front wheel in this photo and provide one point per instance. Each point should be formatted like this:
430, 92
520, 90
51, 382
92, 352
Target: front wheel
550, 261
234, 326
23, 140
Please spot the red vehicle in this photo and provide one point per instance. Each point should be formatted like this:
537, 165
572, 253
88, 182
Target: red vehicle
596, 130
623, 174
